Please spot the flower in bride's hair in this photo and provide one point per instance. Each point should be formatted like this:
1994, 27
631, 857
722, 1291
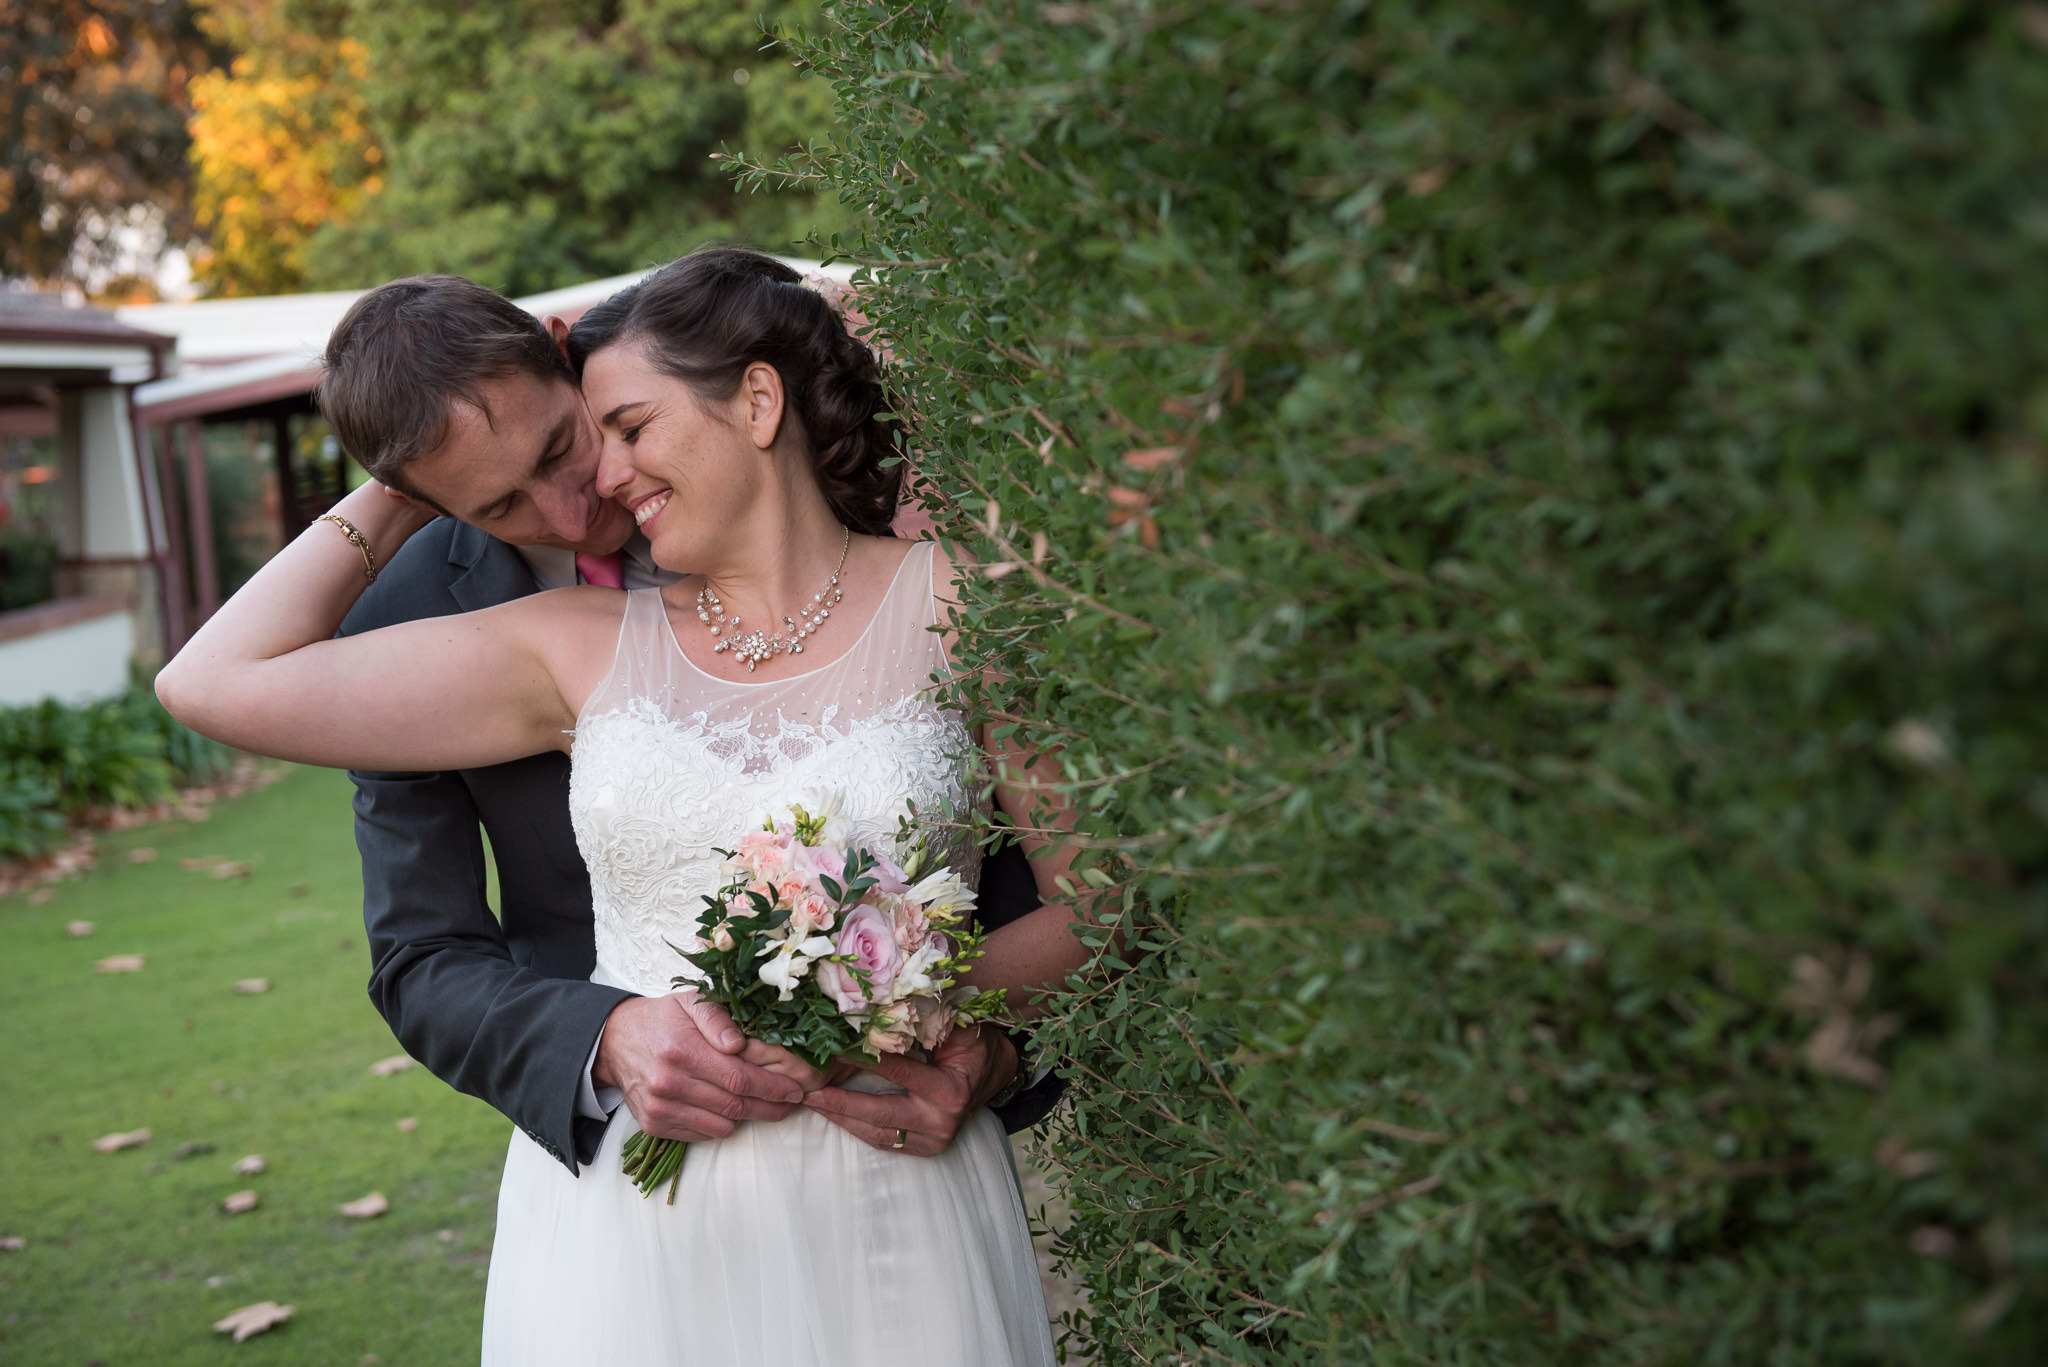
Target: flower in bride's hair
869, 942
892, 1029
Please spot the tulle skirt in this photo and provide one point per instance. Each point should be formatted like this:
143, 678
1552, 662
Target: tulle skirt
789, 1244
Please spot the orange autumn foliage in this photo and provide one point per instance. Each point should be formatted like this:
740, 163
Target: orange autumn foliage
281, 147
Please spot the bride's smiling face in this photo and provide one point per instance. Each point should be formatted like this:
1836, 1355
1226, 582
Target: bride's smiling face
687, 468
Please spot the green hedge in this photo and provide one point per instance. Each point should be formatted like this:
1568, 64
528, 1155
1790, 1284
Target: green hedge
1529, 523
60, 762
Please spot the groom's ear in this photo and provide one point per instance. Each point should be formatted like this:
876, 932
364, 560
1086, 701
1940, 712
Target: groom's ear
558, 333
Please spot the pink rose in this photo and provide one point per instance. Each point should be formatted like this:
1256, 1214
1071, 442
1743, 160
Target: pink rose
816, 860
934, 1022
893, 1029
889, 877
870, 942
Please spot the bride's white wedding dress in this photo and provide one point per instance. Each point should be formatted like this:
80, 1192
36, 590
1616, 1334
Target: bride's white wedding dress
790, 1243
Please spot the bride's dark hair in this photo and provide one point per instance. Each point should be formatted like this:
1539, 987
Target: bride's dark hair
705, 318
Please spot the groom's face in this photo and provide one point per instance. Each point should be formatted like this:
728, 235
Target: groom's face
523, 467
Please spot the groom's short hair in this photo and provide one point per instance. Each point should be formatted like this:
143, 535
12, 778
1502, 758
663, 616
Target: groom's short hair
405, 352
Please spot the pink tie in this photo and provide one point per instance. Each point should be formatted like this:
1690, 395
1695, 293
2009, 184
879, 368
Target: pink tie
605, 571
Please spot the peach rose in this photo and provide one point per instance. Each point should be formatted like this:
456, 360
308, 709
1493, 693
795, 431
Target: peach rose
910, 925
934, 1022
811, 911
893, 1029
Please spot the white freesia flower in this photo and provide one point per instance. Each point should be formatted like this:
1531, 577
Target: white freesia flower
789, 965
783, 972
942, 891
915, 977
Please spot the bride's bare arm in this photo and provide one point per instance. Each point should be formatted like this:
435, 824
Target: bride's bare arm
1040, 948
265, 673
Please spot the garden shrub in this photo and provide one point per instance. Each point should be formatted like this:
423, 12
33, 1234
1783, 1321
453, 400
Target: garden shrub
1525, 522
59, 762
30, 823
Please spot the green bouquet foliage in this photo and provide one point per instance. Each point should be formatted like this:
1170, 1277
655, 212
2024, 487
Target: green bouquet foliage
1526, 524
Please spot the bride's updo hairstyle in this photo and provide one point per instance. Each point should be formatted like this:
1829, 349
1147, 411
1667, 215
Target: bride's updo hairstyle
705, 318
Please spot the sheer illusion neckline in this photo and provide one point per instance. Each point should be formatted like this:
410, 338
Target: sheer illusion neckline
888, 596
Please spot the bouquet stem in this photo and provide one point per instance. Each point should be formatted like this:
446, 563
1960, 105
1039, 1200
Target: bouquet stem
650, 1162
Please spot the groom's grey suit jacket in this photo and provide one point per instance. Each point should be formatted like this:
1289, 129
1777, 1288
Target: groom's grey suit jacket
505, 1009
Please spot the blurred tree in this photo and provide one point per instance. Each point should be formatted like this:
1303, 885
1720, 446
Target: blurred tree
525, 143
93, 102
534, 143
280, 142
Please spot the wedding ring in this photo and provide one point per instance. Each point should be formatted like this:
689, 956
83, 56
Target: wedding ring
902, 1138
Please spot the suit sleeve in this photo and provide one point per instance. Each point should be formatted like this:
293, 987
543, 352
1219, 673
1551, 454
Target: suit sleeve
442, 974
1008, 891
443, 977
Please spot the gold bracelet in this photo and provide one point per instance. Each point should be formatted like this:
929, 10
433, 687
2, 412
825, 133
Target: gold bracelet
356, 539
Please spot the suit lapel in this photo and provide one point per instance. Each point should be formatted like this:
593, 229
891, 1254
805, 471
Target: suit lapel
493, 573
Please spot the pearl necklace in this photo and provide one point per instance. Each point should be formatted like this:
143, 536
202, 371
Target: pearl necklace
757, 646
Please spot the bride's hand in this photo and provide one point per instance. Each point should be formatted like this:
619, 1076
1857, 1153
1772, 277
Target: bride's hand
781, 1062
842, 1068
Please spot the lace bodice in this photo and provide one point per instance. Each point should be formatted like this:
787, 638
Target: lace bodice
669, 764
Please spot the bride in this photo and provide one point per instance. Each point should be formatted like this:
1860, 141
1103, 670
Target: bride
794, 663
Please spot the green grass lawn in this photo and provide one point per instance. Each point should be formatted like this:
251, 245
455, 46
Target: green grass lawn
129, 1258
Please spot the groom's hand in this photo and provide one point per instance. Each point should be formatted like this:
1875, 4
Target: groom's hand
688, 1073
970, 1067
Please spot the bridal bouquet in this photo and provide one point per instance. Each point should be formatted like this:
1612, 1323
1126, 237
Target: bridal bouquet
829, 949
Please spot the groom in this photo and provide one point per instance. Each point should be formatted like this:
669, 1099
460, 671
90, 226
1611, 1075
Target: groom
454, 396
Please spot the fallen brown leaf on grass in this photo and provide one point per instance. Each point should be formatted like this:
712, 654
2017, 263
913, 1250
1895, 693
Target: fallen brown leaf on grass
78, 930
250, 1165
233, 868
250, 987
368, 1208
120, 1139
385, 1067
408, 1124
201, 864
142, 854
40, 896
253, 1319
446, 1236
120, 963
191, 1150
13, 1243
239, 1202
